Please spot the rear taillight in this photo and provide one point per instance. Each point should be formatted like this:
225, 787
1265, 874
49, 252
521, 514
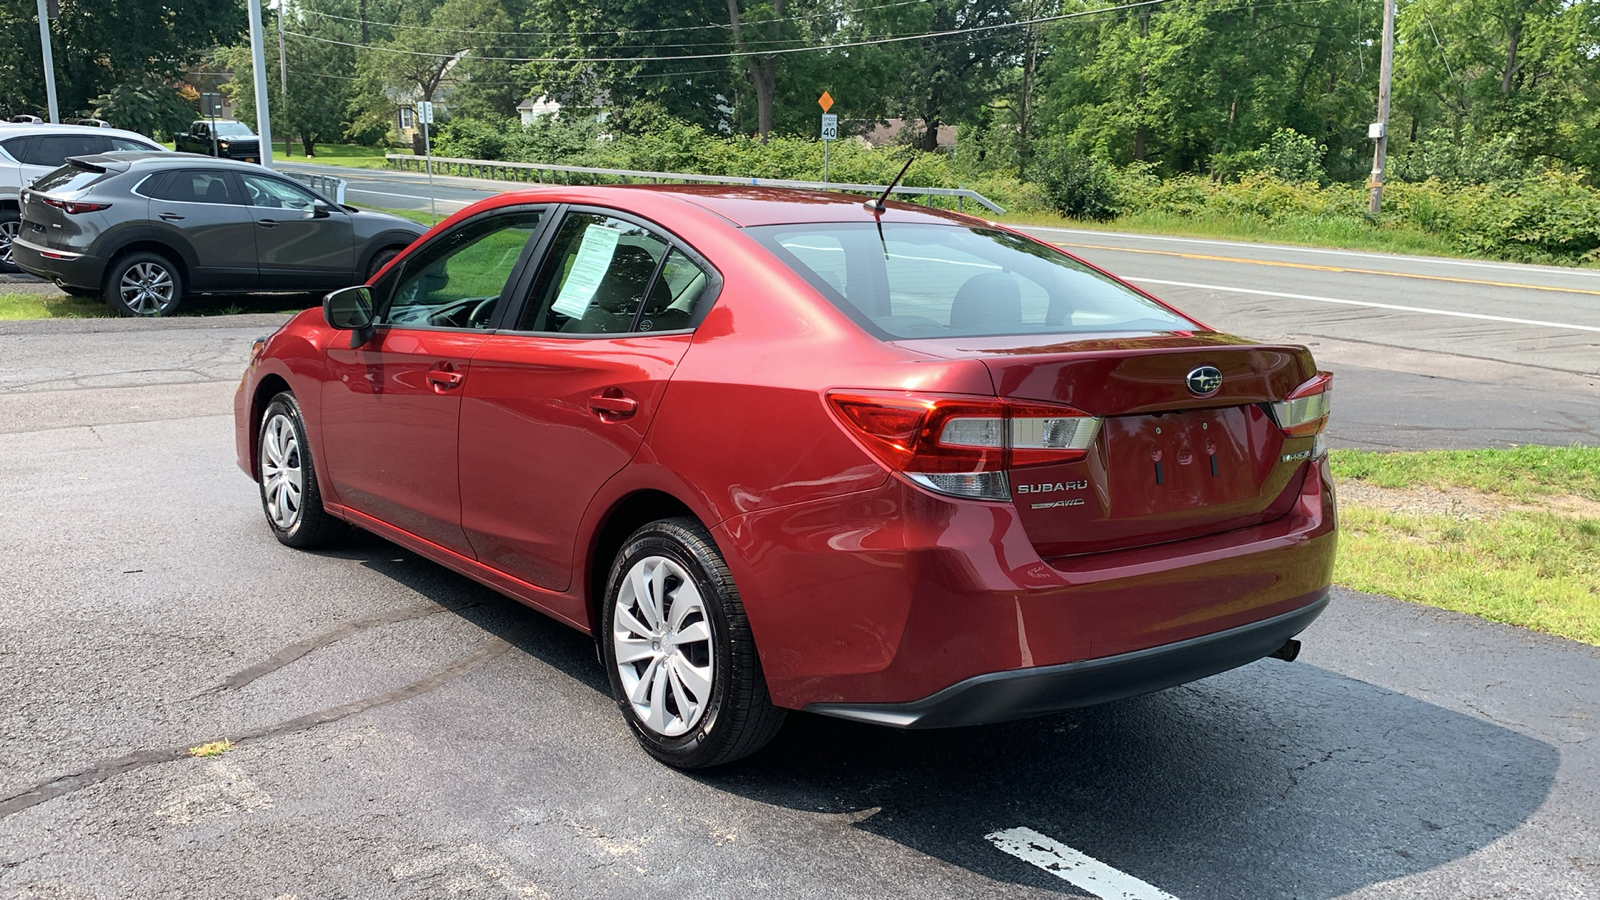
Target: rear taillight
963, 446
73, 207
1305, 411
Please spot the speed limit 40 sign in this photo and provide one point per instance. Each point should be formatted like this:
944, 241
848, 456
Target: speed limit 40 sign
830, 127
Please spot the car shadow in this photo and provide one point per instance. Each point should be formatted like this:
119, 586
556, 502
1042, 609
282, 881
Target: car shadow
1273, 780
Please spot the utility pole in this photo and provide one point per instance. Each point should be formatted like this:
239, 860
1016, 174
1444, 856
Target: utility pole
1379, 130
258, 62
283, 79
49, 60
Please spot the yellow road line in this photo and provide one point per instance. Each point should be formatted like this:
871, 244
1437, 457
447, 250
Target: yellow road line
1291, 265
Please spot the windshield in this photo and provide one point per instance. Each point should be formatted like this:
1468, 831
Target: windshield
233, 129
917, 281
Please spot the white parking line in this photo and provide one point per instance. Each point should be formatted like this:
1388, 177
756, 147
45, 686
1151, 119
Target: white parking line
1082, 871
1425, 260
1367, 303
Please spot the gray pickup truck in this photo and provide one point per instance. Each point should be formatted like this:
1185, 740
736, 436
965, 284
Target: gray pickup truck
222, 138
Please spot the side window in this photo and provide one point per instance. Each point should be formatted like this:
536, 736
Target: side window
594, 278
275, 194
19, 149
190, 186
675, 296
457, 280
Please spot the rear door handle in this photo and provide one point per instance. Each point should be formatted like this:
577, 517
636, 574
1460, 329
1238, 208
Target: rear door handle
611, 402
171, 217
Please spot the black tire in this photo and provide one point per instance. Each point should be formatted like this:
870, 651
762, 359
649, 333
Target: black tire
381, 259
10, 226
154, 285
297, 522
738, 717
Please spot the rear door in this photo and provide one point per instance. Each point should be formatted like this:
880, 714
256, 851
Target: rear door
201, 209
301, 243
391, 407
560, 402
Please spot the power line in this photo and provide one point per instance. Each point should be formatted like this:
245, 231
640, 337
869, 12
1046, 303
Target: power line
614, 31
745, 53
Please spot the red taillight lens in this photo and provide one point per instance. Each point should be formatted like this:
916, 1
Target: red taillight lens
963, 446
72, 207
1305, 411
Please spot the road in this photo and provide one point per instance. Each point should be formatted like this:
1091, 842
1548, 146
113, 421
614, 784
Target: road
1427, 352
402, 732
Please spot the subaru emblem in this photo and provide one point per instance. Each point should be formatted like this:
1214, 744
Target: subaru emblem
1204, 381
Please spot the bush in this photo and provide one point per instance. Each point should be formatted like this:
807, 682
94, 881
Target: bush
1077, 186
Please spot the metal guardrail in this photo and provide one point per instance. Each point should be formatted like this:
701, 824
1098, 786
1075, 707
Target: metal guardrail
537, 173
324, 184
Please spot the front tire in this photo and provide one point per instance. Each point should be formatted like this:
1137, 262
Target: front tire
144, 284
381, 259
678, 650
290, 496
10, 227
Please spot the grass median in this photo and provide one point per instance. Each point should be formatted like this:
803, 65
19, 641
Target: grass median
1511, 536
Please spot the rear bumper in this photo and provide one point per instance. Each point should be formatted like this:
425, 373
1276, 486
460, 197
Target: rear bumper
1020, 693
76, 270
890, 597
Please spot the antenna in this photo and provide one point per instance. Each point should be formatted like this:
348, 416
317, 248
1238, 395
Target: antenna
875, 205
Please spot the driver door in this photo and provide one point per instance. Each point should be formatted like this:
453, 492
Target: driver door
391, 407
301, 242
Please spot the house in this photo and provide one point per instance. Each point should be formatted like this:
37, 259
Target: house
530, 109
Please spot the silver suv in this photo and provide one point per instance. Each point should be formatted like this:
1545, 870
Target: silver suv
28, 151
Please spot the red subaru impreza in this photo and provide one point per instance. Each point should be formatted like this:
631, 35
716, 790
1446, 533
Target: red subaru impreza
780, 450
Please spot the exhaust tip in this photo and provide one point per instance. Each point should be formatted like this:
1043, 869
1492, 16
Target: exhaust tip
1288, 652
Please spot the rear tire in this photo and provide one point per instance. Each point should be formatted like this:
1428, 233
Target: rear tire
678, 650
290, 496
10, 227
144, 285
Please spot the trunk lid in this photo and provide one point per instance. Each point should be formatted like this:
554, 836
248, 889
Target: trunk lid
1167, 464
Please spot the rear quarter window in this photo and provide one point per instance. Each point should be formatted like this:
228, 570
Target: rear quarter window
941, 281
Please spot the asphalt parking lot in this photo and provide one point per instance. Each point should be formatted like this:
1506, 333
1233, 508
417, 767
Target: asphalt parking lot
403, 732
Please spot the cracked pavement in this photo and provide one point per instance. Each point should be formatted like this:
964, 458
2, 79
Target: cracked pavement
400, 731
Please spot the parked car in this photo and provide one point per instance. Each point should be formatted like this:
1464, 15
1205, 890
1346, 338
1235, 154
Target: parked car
225, 139
28, 151
25, 118
93, 123
145, 229
778, 451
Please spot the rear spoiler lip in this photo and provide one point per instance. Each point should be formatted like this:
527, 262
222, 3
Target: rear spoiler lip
98, 163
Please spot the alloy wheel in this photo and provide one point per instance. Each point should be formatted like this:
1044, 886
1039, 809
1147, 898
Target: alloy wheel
8, 233
281, 471
661, 637
147, 288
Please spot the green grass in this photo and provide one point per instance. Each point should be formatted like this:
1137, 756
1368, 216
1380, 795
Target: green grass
351, 155
47, 306
1343, 234
1537, 568
1523, 473
421, 217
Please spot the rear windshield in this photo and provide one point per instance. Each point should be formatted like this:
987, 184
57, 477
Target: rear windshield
931, 281
68, 178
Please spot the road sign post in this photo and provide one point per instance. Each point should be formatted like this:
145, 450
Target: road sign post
425, 118
830, 130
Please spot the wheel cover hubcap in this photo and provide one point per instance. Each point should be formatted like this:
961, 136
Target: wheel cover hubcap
147, 288
661, 636
281, 475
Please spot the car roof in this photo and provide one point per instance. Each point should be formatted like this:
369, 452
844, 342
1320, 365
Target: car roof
747, 206
25, 129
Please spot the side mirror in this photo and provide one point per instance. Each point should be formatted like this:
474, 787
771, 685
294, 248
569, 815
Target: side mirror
350, 308
320, 210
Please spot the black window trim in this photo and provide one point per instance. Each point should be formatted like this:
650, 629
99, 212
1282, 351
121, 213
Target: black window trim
673, 242
534, 248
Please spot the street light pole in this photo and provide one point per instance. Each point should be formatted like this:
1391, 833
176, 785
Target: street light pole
258, 58
49, 61
1380, 129
283, 80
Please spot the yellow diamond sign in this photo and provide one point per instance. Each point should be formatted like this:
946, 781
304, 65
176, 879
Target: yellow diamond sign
825, 101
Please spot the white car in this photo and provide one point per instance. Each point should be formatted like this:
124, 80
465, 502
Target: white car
28, 151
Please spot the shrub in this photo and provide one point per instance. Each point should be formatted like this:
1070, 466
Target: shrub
1077, 186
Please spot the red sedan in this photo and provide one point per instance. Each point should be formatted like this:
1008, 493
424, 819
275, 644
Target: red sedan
781, 450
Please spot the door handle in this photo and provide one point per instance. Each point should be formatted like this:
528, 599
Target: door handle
267, 223
611, 402
171, 217
443, 377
